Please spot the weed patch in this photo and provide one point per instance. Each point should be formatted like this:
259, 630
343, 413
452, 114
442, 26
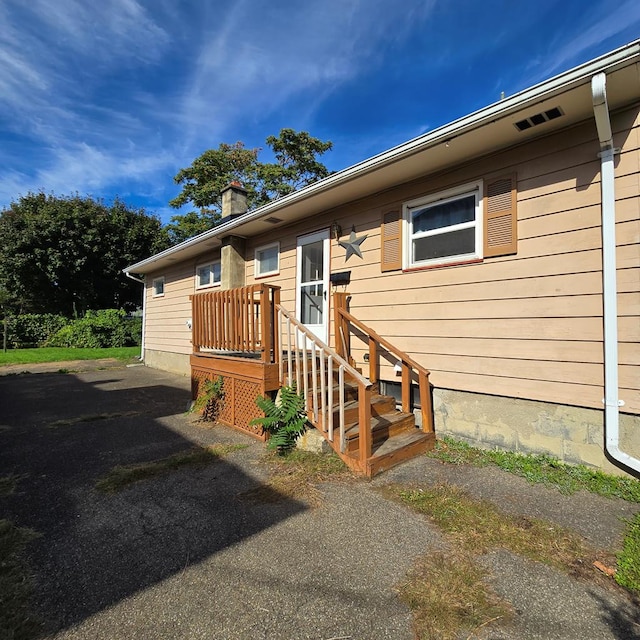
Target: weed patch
122, 476
449, 594
294, 476
540, 469
8, 484
16, 586
447, 591
477, 526
628, 574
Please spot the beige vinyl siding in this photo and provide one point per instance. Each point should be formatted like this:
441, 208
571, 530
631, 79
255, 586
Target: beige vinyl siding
167, 316
527, 325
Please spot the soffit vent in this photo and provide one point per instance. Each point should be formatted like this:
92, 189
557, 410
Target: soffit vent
538, 118
273, 220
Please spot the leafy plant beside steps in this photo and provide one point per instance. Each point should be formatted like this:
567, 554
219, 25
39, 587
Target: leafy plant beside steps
285, 419
210, 399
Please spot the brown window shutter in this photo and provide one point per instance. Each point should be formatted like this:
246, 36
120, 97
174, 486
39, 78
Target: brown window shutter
500, 215
391, 241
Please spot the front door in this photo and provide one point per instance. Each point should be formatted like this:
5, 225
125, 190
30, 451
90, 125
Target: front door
313, 282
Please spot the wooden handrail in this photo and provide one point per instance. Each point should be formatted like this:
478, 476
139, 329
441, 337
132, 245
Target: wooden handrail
384, 342
344, 319
303, 346
324, 346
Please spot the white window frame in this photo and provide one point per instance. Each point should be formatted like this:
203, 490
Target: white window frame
154, 287
462, 191
210, 284
256, 263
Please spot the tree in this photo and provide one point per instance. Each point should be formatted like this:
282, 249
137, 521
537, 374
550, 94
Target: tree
66, 254
296, 166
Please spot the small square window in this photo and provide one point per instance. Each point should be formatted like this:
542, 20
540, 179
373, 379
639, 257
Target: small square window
158, 287
444, 228
267, 260
208, 275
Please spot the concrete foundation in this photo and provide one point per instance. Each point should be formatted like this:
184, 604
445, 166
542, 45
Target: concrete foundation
572, 434
174, 362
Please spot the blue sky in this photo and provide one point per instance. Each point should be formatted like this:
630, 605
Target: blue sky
112, 98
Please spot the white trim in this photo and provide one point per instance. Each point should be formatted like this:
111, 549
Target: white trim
154, 292
211, 284
455, 193
256, 260
320, 330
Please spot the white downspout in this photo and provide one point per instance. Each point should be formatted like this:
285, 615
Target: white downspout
144, 310
609, 292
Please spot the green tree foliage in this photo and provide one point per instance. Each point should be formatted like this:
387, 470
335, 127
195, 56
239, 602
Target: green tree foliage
66, 254
296, 166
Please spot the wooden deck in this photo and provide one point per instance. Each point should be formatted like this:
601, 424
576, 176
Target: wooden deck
247, 338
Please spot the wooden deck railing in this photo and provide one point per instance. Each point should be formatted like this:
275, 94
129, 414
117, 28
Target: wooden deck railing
240, 320
319, 373
344, 322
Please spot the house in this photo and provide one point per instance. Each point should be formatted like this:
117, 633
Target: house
485, 274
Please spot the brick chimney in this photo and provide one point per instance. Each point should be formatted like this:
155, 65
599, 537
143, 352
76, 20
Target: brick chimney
234, 201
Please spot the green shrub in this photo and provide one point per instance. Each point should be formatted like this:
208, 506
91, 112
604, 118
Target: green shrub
33, 329
284, 420
106, 328
210, 400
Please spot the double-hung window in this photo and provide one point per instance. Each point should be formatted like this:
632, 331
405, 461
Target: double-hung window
444, 228
208, 275
267, 260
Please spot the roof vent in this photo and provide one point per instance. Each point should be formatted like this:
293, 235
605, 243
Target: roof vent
273, 220
538, 118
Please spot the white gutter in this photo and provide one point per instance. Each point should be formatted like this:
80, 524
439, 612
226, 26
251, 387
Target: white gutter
144, 310
609, 292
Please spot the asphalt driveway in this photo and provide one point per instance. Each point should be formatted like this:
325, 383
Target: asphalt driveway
182, 556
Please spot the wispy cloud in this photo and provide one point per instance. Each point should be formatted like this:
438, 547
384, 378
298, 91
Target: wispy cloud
115, 96
593, 27
610, 20
260, 55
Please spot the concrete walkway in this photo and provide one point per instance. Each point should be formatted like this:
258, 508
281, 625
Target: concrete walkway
185, 556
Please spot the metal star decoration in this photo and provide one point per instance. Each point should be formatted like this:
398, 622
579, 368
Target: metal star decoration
352, 245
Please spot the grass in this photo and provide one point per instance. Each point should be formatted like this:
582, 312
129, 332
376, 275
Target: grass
294, 476
124, 475
91, 418
628, 574
542, 469
55, 354
478, 526
448, 591
8, 484
16, 584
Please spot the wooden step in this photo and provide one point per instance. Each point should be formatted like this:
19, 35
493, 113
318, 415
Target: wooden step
399, 449
380, 405
350, 393
382, 428
392, 452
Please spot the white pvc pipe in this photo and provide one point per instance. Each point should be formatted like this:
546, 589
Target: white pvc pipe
144, 311
609, 289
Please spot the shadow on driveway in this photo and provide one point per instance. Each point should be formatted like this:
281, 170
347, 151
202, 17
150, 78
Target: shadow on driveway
95, 549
